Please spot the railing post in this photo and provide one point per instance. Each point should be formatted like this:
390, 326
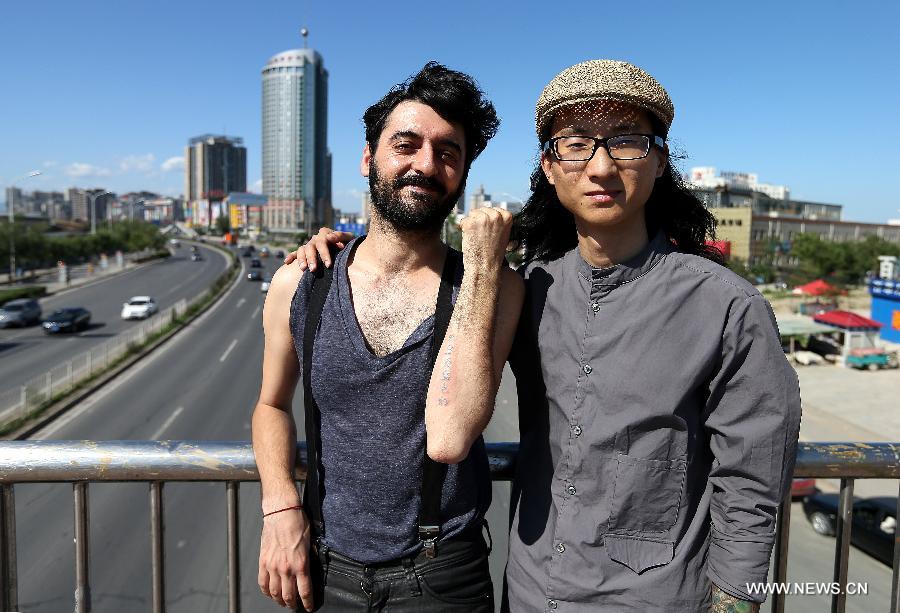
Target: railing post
157, 539
782, 538
842, 547
9, 588
82, 554
895, 581
234, 557
69, 375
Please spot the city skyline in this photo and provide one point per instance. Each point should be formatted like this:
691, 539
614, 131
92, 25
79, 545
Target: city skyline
761, 88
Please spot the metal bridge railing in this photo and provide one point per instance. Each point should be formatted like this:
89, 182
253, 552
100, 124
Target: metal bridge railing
156, 462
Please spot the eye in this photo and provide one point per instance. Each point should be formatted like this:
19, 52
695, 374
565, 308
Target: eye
449, 156
403, 147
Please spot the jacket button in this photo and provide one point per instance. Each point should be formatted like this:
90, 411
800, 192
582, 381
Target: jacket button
571, 489
595, 307
560, 547
588, 369
552, 604
576, 430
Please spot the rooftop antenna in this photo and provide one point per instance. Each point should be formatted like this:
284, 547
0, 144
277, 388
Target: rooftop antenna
304, 32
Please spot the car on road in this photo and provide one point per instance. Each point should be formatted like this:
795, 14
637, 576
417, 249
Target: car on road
139, 307
175, 243
279, 254
254, 275
874, 522
264, 288
264, 252
68, 319
254, 263
196, 257
20, 312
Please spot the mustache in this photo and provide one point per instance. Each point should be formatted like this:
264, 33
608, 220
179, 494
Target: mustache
418, 181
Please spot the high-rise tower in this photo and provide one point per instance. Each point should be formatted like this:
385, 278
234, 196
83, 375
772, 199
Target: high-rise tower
214, 166
296, 164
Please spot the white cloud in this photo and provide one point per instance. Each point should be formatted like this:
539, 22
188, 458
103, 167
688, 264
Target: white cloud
137, 163
51, 164
173, 163
257, 186
80, 169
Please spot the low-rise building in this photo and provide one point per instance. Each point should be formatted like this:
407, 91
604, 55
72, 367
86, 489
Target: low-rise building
246, 210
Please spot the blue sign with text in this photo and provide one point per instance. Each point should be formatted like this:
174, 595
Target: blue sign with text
885, 288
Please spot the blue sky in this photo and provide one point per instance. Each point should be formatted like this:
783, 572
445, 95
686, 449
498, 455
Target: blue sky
103, 93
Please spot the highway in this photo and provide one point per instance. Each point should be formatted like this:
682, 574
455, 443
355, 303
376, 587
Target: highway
202, 385
26, 353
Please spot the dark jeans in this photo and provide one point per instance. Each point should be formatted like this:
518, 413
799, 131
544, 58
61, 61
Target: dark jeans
457, 580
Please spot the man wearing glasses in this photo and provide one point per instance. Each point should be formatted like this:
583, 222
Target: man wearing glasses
658, 414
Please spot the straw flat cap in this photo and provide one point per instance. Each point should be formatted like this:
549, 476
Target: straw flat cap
603, 80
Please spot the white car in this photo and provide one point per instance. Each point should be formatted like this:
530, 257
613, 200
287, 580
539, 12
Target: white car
264, 287
139, 307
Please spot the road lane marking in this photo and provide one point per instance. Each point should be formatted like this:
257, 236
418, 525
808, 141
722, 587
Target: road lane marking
166, 424
227, 351
240, 302
255, 313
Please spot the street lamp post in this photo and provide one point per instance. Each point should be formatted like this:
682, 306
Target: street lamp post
93, 200
12, 220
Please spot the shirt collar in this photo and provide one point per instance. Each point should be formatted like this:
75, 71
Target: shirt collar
629, 270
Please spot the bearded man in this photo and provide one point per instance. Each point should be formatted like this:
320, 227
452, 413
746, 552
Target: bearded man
398, 480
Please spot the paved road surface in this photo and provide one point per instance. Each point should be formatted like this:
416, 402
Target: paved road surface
26, 353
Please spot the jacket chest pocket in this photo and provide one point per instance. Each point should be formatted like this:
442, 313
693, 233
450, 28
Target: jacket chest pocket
646, 494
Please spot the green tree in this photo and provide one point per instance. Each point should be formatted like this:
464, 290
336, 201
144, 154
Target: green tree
223, 224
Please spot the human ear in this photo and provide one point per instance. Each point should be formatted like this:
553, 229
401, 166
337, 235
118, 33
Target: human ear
366, 159
663, 161
545, 166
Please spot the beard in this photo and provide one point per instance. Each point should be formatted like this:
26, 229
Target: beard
418, 212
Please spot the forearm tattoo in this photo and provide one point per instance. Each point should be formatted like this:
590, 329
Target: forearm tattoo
726, 603
445, 372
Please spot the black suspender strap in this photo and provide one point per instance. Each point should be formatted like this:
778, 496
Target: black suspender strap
433, 473
312, 493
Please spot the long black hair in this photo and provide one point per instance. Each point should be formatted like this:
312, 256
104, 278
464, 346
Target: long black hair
546, 229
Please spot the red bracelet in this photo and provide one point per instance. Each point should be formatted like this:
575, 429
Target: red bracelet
297, 506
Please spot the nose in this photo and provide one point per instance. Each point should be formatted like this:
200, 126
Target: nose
424, 162
601, 165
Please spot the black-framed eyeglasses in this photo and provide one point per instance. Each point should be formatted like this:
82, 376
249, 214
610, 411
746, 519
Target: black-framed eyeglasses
620, 147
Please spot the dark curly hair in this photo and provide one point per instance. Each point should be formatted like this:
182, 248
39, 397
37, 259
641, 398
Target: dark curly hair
546, 229
453, 95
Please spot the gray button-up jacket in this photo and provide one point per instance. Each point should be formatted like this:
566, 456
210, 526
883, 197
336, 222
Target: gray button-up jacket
659, 421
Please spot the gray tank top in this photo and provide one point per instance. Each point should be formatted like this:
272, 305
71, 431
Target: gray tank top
373, 432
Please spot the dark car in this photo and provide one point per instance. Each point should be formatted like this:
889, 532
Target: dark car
254, 263
874, 522
254, 275
70, 319
246, 253
20, 312
279, 254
